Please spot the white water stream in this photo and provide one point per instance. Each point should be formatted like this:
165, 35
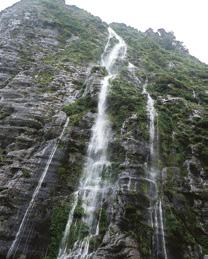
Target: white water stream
92, 187
159, 239
15, 244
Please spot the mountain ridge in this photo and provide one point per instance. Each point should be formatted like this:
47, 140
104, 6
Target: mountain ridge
50, 70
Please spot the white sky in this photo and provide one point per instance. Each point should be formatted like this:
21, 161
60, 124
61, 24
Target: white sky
187, 18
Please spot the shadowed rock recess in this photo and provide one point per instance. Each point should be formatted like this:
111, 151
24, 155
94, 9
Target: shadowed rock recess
151, 195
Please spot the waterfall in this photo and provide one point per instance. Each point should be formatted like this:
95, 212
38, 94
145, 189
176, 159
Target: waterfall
92, 188
159, 236
15, 244
152, 114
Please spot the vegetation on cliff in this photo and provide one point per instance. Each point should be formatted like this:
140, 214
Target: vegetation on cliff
178, 82
55, 71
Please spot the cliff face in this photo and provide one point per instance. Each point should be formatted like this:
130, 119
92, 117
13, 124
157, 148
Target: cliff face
50, 70
44, 65
177, 82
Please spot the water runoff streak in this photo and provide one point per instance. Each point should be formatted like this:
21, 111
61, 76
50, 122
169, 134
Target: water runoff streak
157, 212
92, 188
15, 244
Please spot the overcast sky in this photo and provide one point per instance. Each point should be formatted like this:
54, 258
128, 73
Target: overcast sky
187, 18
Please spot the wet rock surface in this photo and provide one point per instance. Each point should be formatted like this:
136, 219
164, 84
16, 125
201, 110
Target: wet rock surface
33, 93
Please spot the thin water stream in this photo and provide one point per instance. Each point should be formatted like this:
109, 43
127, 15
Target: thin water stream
159, 245
15, 244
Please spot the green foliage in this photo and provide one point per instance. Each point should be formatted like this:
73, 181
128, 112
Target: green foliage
2, 156
4, 113
178, 235
78, 108
45, 77
96, 241
172, 150
62, 172
79, 211
80, 34
125, 98
81, 50
78, 231
101, 70
83, 104
143, 233
104, 223
182, 226
58, 223
25, 173
69, 173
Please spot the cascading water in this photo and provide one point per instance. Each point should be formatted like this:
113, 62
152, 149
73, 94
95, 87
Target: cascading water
92, 187
15, 244
152, 115
157, 212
